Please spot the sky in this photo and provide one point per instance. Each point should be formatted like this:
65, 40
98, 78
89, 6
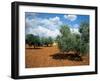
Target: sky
48, 24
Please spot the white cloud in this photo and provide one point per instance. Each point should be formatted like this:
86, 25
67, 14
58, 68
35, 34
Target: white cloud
44, 32
43, 27
55, 20
70, 17
75, 30
51, 23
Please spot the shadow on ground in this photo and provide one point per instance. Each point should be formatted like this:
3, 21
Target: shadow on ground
72, 57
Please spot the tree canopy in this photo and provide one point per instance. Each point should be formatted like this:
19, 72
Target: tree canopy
69, 41
38, 41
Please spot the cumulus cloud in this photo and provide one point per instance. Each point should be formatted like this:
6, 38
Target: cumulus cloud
75, 30
51, 23
30, 24
70, 17
44, 32
43, 27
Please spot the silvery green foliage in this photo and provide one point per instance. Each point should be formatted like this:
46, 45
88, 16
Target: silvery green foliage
78, 43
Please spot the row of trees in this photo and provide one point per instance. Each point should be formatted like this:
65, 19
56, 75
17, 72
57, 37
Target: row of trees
37, 41
67, 41
79, 43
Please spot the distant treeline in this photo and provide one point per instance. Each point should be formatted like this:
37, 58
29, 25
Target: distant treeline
37, 41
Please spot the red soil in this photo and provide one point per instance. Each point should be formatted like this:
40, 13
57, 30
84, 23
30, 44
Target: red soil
42, 57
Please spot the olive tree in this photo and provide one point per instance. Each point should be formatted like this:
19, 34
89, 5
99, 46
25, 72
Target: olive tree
69, 41
32, 40
64, 40
29, 39
84, 30
48, 41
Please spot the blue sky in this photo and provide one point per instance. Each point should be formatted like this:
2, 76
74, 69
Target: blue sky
47, 24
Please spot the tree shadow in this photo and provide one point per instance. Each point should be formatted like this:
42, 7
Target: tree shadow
72, 57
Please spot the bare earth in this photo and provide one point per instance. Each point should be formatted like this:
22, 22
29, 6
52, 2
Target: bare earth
42, 57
